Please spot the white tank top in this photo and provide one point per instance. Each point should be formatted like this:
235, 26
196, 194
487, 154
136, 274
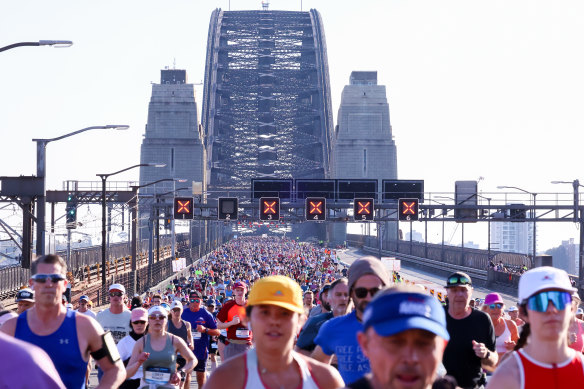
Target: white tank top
501, 339
253, 376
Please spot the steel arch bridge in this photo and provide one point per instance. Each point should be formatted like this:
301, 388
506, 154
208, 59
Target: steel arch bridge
266, 104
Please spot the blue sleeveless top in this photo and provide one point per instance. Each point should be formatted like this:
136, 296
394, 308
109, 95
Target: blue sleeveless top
62, 346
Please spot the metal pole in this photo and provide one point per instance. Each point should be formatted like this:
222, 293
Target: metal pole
581, 251
41, 200
379, 237
68, 248
442, 251
157, 212
103, 228
426, 237
489, 228
134, 221
150, 252
534, 230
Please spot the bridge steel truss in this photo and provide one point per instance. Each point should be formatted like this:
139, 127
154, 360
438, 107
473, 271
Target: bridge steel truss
266, 105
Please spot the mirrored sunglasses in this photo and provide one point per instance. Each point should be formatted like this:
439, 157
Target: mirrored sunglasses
362, 292
540, 301
496, 306
458, 280
195, 300
116, 294
42, 278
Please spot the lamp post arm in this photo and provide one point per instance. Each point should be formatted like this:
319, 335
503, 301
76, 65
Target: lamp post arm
45, 141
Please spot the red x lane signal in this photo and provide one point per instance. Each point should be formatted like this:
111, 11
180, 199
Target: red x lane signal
270, 208
363, 209
408, 209
183, 207
315, 209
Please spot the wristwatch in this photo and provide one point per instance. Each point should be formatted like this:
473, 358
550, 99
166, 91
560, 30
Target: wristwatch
488, 354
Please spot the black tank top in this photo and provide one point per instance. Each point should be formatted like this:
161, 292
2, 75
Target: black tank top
180, 332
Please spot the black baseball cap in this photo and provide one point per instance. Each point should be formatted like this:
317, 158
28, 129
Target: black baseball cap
458, 279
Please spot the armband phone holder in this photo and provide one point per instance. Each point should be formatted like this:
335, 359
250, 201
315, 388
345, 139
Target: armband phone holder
108, 349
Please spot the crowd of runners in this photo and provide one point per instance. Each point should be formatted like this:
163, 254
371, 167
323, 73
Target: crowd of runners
278, 313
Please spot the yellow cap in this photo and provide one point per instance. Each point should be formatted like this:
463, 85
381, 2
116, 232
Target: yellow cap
277, 290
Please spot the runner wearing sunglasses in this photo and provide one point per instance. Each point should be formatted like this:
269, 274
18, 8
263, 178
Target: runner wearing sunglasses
546, 360
68, 337
203, 326
338, 336
139, 323
472, 335
506, 331
156, 353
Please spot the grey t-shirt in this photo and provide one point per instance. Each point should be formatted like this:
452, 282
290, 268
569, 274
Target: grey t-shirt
117, 323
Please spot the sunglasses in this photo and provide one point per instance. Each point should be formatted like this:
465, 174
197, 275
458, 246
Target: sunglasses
195, 300
458, 280
496, 306
156, 317
139, 322
116, 294
362, 292
176, 310
42, 278
540, 301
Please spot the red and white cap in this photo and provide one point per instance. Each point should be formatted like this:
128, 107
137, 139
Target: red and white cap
542, 278
239, 284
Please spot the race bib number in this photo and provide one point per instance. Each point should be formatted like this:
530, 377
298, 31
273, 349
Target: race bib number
196, 334
242, 333
157, 375
214, 346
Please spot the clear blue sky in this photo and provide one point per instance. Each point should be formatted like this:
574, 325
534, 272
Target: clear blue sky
476, 89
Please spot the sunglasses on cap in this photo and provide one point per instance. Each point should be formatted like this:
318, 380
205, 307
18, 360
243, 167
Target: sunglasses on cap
139, 322
362, 292
457, 279
496, 306
116, 294
540, 301
42, 278
157, 317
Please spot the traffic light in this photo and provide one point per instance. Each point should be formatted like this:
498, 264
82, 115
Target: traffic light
227, 208
167, 223
270, 208
71, 211
363, 210
183, 208
408, 209
315, 209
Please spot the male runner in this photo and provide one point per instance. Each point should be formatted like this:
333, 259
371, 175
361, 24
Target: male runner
66, 336
24, 300
231, 317
84, 307
203, 326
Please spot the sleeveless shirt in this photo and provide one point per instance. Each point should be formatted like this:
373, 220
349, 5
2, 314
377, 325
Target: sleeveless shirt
163, 358
62, 346
535, 374
254, 380
180, 332
501, 339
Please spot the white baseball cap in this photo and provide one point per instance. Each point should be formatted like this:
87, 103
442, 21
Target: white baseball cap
176, 304
119, 287
541, 278
158, 309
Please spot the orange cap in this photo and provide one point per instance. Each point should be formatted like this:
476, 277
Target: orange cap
277, 290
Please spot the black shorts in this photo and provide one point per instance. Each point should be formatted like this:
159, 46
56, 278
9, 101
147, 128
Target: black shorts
222, 339
180, 361
201, 365
212, 346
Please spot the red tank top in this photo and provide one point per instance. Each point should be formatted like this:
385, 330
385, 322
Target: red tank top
534, 374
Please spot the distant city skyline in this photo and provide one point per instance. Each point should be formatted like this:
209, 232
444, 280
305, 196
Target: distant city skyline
475, 90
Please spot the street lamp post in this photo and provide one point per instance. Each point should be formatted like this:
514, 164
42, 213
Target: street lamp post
489, 225
104, 178
41, 173
53, 43
533, 215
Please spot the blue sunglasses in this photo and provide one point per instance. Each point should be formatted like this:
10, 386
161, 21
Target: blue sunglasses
540, 301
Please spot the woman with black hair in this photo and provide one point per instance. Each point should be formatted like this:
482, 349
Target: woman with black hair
139, 325
542, 357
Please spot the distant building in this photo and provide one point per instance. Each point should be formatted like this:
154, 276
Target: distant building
512, 237
172, 137
363, 145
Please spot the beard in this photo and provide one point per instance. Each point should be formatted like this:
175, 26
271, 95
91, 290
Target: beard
326, 306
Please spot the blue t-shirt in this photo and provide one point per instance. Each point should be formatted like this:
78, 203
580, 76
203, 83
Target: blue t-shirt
201, 340
339, 336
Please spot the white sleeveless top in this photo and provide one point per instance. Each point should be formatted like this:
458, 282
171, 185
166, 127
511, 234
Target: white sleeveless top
501, 339
253, 376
